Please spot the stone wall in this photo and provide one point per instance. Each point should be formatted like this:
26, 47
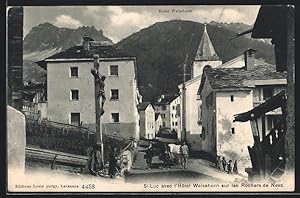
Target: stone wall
16, 141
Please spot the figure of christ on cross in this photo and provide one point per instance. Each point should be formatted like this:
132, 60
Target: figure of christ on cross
100, 81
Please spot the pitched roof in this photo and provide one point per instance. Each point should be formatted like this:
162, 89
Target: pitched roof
143, 106
206, 49
77, 52
104, 51
238, 77
156, 115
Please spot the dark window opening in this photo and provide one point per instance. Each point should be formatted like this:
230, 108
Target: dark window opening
115, 117
267, 93
74, 94
232, 130
232, 98
164, 107
114, 70
75, 119
74, 72
114, 94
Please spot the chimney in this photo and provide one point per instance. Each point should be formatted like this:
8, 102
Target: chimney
249, 56
86, 42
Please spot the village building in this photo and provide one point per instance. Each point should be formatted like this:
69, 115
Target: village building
281, 30
205, 55
229, 91
147, 121
35, 100
70, 88
158, 122
168, 107
268, 160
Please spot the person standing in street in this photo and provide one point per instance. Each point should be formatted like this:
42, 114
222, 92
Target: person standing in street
95, 164
166, 156
235, 168
112, 162
184, 151
229, 167
224, 163
149, 156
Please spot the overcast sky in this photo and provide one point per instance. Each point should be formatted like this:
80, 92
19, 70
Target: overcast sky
118, 22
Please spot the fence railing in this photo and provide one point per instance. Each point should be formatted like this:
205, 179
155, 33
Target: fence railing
66, 138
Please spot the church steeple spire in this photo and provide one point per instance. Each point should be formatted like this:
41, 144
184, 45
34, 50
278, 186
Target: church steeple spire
206, 55
206, 51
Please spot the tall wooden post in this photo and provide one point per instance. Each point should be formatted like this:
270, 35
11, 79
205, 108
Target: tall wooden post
99, 140
290, 119
263, 127
15, 57
184, 99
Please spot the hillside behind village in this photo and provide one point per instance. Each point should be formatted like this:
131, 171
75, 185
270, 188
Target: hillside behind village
160, 49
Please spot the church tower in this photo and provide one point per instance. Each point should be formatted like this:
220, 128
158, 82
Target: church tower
205, 55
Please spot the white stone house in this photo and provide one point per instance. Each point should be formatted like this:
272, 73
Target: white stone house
147, 121
70, 88
205, 55
168, 106
228, 91
158, 122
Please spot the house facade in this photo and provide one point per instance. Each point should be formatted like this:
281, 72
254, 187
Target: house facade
35, 100
175, 115
168, 106
70, 88
226, 92
158, 122
147, 121
205, 55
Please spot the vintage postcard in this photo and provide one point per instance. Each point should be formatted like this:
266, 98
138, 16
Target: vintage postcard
151, 98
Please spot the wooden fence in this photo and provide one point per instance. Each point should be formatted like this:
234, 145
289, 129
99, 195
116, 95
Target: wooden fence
67, 138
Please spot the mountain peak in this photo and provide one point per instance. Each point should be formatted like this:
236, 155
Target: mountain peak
46, 24
48, 37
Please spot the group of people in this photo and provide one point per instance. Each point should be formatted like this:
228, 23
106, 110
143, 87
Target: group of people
96, 163
167, 156
225, 166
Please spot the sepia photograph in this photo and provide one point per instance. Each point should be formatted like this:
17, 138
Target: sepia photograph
157, 98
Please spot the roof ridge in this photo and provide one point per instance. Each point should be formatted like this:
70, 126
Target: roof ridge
235, 77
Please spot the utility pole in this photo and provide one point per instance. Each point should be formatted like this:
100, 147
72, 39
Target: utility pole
99, 96
184, 91
183, 98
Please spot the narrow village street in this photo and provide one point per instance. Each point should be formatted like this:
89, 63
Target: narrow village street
197, 170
